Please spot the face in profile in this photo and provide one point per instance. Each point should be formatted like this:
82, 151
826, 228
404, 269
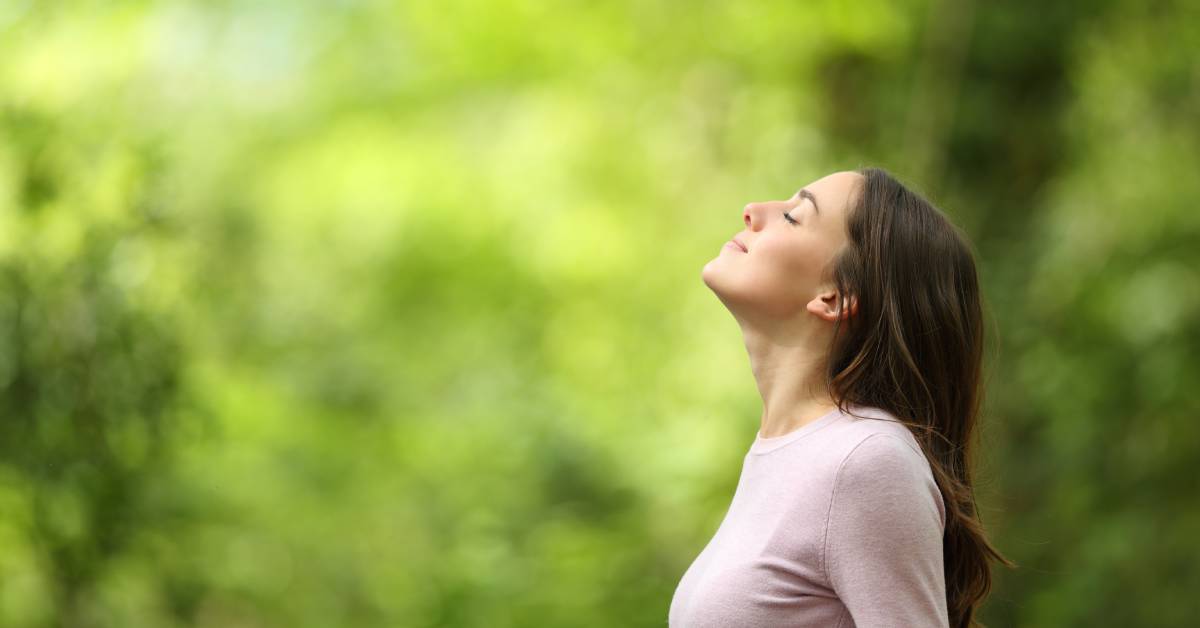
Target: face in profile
779, 265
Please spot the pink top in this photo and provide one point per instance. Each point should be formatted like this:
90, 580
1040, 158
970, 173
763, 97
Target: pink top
838, 523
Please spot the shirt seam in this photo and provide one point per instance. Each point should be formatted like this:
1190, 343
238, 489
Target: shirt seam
832, 497
830, 420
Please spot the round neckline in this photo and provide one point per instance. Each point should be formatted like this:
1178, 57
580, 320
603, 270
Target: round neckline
762, 445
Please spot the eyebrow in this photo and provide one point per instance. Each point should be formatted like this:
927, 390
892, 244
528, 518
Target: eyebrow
804, 193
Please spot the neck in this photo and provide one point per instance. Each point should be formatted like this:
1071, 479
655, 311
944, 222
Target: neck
790, 374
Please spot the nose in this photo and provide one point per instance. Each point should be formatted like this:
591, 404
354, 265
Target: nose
752, 215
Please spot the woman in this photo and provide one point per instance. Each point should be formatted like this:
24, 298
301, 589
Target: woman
860, 309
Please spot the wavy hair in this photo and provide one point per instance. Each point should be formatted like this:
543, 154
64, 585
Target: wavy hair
915, 348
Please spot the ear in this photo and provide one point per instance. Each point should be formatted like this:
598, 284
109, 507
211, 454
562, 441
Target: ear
824, 306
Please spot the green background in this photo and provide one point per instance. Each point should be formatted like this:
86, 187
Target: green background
390, 314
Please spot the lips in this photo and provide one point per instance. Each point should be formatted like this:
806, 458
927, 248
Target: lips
740, 245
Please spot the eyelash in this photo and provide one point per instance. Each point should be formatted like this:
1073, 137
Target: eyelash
789, 219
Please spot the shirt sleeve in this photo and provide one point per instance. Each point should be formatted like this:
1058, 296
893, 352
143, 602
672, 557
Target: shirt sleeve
883, 540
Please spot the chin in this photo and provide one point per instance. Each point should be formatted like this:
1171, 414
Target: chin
713, 277
709, 274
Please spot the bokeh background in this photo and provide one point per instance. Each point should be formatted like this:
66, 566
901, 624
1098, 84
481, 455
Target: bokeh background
390, 313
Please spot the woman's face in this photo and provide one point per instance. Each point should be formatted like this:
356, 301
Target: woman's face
782, 271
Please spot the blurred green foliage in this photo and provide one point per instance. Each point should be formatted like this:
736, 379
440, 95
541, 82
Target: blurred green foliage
389, 314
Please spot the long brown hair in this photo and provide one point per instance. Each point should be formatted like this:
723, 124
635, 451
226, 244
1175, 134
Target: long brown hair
915, 348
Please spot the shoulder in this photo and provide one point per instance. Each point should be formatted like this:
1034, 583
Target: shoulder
880, 461
877, 425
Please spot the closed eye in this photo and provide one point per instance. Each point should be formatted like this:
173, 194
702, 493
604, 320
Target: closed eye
790, 219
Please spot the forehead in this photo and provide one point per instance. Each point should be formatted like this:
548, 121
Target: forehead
834, 191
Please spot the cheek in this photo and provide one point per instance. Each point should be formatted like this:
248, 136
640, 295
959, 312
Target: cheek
792, 265
781, 280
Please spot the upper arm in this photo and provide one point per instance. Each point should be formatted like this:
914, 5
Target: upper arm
883, 540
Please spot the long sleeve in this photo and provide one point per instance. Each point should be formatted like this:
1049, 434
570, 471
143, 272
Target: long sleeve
883, 543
